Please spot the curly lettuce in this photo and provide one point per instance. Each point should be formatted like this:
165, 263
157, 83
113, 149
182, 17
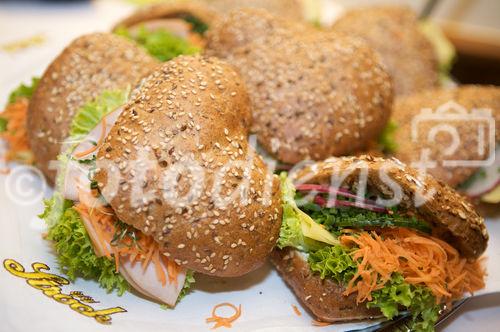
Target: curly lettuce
334, 262
418, 300
298, 230
90, 114
23, 91
75, 254
161, 44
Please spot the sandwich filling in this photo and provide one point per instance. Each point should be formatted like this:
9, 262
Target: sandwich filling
90, 241
168, 38
485, 183
389, 259
13, 124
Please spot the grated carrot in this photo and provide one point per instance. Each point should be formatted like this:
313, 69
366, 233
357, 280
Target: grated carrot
146, 250
224, 321
419, 258
319, 323
296, 310
15, 133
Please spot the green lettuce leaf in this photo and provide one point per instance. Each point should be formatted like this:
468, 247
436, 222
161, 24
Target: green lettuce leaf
387, 141
90, 114
23, 91
418, 300
161, 44
298, 230
187, 285
75, 254
444, 49
334, 219
334, 262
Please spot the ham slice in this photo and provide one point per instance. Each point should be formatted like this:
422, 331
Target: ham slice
144, 281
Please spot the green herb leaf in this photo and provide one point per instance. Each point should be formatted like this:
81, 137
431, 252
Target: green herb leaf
198, 25
23, 91
161, 44
334, 219
75, 254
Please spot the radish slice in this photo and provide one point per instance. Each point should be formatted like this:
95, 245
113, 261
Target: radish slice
330, 190
144, 281
321, 201
77, 174
490, 181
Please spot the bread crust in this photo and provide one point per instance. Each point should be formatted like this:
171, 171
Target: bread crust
470, 97
169, 10
323, 297
394, 33
289, 9
452, 217
315, 94
192, 117
90, 65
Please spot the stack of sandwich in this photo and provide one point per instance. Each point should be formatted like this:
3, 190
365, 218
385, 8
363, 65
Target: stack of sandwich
144, 134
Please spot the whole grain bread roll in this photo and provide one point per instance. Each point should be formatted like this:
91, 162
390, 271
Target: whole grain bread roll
289, 9
315, 94
90, 65
469, 99
451, 216
177, 153
394, 33
323, 297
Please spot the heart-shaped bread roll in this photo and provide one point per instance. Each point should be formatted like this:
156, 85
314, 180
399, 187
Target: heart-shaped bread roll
177, 166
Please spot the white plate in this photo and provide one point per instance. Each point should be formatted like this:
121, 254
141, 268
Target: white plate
265, 299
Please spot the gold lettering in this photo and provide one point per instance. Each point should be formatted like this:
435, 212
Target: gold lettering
50, 285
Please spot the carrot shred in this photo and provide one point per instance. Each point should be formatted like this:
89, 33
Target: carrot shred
296, 310
319, 323
224, 321
420, 259
160, 274
146, 251
15, 133
99, 142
